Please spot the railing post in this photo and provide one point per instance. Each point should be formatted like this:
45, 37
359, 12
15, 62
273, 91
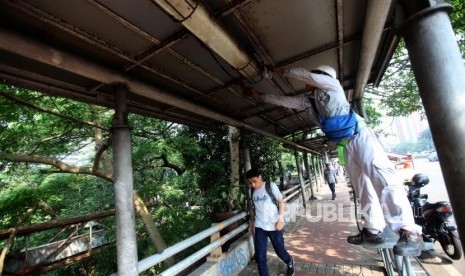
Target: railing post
126, 246
301, 180
217, 252
245, 153
309, 176
315, 171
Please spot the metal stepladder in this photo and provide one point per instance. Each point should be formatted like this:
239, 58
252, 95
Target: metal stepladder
395, 265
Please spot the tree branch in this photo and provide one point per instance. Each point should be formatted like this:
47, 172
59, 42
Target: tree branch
47, 209
60, 165
100, 151
12, 98
25, 103
166, 164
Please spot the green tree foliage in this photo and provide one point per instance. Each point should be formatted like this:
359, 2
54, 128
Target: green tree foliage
398, 90
405, 148
264, 154
425, 140
374, 117
424, 143
288, 160
36, 128
26, 131
55, 190
207, 153
457, 18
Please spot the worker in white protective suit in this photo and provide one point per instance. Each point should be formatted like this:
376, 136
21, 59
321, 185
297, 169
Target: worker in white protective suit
372, 175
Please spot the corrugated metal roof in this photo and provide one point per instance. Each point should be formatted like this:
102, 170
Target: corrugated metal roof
78, 49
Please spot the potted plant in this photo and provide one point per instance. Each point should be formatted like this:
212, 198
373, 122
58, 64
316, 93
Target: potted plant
224, 206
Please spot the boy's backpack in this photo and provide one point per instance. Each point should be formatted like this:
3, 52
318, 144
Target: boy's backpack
270, 194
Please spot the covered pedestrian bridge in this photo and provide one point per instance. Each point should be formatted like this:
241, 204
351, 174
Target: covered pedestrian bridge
185, 61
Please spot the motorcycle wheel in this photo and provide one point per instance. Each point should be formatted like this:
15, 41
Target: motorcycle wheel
451, 245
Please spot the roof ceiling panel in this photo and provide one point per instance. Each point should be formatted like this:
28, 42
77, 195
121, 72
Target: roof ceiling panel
353, 17
145, 15
40, 71
350, 70
230, 101
289, 29
180, 72
162, 80
198, 54
95, 23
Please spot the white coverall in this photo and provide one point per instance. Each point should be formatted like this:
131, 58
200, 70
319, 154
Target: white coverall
372, 175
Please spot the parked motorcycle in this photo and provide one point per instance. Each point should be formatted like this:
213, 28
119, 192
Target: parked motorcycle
436, 219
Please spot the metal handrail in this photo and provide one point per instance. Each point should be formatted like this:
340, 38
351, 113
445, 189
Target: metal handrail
286, 199
176, 248
174, 270
151, 261
290, 189
297, 187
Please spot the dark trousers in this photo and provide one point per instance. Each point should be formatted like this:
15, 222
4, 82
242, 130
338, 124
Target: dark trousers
332, 187
261, 246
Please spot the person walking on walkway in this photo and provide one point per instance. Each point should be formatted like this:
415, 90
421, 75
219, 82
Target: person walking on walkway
268, 222
371, 173
331, 179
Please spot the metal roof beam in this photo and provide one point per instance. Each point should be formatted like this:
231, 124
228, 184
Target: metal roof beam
375, 19
196, 18
35, 50
340, 38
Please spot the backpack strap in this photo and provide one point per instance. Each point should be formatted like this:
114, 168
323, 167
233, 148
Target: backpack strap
251, 198
270, 194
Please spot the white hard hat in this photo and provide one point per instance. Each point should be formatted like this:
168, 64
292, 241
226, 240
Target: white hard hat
327, 69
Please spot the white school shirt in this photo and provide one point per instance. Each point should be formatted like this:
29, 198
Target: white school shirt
329, 95
266, 212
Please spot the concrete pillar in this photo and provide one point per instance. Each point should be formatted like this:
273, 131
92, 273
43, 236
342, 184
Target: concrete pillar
320, 171
301, 179
126, 246
309, 175
281, 174
247, 165
234, 149
315, 171
440, 74
246, 157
